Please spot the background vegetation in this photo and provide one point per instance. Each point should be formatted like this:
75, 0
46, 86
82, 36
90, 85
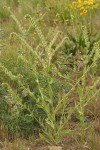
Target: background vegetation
49, 72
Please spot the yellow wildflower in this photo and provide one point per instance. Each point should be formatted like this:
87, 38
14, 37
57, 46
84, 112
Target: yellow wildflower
84, 5
82, 8
84, 11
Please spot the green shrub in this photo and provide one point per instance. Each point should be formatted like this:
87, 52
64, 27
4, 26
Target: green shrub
39, 74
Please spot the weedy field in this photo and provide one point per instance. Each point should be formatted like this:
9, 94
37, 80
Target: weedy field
49, 74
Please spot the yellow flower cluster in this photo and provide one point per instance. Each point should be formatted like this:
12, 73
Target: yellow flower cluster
83, 5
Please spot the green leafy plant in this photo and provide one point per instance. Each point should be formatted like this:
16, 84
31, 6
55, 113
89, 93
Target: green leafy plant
43, 98
39, 74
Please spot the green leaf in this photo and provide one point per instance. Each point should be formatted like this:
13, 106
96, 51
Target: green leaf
42, 137
60, 105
